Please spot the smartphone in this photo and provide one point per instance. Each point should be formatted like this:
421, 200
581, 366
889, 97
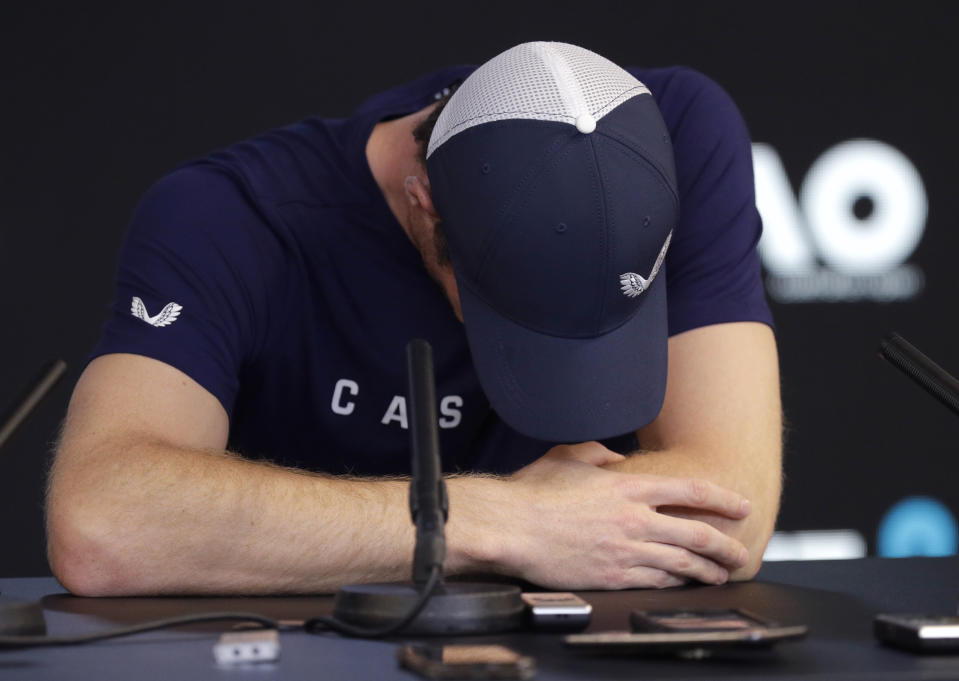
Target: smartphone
560, 611
466, 662
918, 633
699, 621
691, 632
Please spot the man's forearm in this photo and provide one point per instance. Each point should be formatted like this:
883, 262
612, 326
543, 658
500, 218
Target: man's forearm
721, 421
150, 518
143, 500
153, 519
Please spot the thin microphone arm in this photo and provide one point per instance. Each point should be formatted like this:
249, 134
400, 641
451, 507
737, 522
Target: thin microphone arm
932, 377
429, 503
37, 390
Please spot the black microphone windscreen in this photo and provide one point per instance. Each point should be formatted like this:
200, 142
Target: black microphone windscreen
933, 378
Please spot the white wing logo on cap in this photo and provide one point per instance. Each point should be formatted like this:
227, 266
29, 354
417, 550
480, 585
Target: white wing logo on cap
633, 284
164, 317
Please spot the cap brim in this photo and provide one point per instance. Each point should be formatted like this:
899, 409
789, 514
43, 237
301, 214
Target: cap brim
571, 389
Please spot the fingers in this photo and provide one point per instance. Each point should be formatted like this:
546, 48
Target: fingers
680, 565
691, 493
699, 538
587, 452
643, 577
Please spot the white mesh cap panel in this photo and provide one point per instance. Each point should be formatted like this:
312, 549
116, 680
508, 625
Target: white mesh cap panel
540, 81
606, 85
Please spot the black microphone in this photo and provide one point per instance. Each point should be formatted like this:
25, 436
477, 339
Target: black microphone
429, 503
933, 378
428, 605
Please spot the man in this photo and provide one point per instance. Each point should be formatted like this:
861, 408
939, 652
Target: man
265, 295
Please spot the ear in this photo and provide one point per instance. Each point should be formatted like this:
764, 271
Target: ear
418, 194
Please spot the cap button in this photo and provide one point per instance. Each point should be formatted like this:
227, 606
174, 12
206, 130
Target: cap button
585, 123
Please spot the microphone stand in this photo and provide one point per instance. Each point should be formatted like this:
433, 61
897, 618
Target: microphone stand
16, 616
51, 374
455, 608
429, 502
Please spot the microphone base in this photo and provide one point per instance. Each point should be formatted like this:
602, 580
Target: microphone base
457, 608
21, 618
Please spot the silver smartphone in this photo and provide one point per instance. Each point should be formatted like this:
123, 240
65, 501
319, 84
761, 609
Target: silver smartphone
557, 611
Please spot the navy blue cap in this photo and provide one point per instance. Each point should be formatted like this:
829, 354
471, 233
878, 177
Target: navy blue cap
558, 221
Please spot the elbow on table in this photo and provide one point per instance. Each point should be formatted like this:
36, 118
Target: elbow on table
84, 554
747, 571
757, 548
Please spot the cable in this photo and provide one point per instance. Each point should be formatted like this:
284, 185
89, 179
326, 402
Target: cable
312, 626
315, 625
41, 641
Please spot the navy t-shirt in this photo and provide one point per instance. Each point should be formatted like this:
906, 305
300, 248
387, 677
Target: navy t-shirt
275, 275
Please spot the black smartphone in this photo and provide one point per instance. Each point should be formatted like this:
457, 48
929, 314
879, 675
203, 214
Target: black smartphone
697, 620
692, 632
918, 633
466, 662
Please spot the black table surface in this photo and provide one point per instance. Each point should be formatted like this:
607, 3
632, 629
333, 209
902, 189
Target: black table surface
836, 599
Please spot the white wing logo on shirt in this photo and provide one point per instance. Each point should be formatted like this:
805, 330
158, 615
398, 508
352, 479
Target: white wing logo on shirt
632, 284
164, 317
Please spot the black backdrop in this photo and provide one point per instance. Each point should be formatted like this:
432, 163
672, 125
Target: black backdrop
99, 100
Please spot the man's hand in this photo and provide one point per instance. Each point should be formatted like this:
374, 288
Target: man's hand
567, 523
642, 520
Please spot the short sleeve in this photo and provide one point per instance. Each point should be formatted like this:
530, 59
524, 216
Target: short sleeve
190, 280
712, 269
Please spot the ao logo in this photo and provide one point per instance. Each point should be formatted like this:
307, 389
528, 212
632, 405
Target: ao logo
861, 212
